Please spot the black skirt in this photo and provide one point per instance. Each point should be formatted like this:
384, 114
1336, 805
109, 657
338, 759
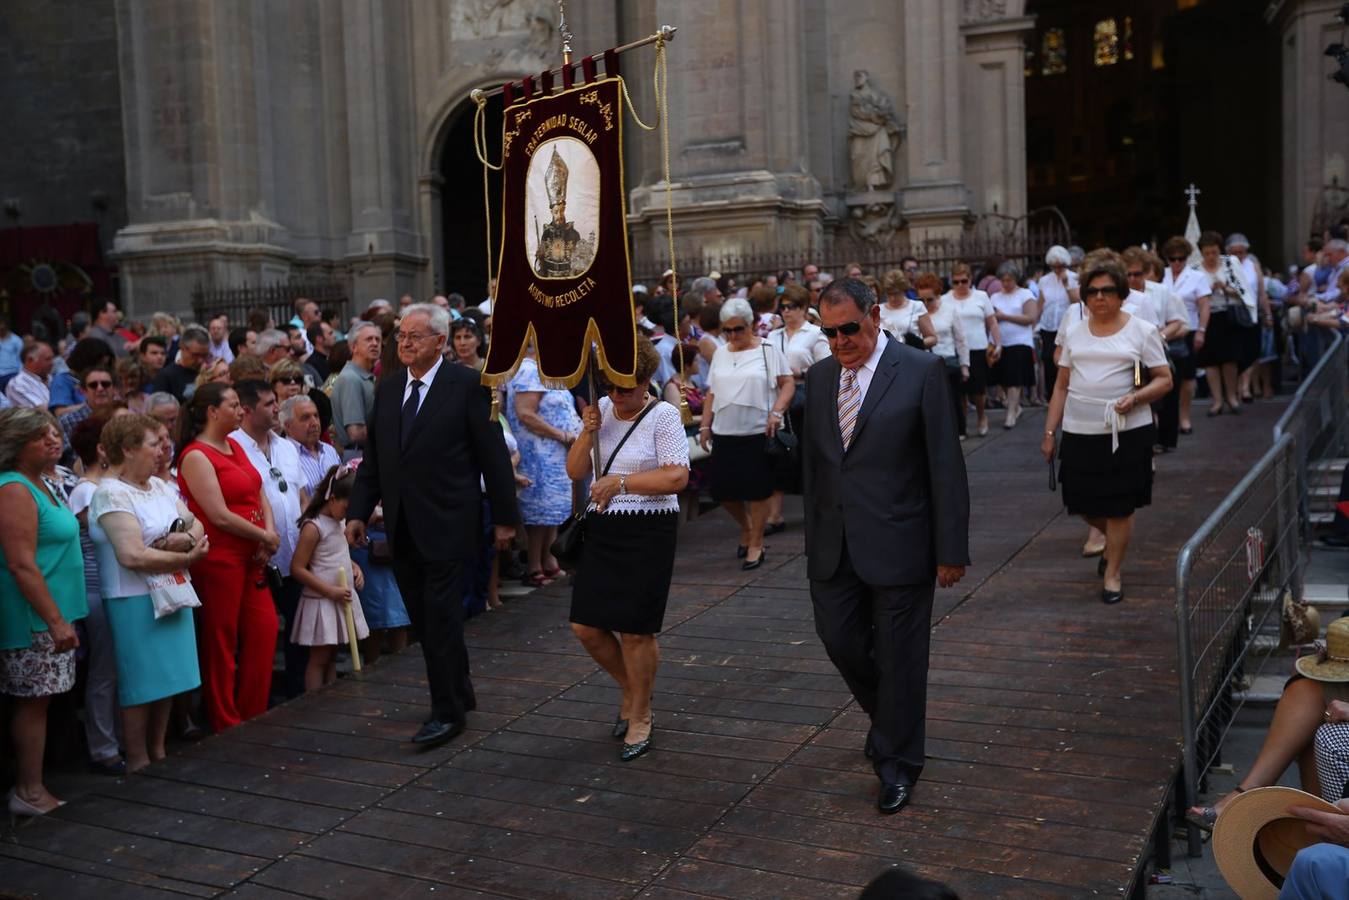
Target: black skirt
1222, 340
623, 580
1016, 368
1098, 483
1182, 354
738, 469
978, 380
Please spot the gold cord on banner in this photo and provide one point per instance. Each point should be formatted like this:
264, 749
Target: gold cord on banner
480, 147
660, 78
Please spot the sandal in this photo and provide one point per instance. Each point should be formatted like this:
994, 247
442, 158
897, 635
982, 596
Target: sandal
536, 580
1207, 816
559, 572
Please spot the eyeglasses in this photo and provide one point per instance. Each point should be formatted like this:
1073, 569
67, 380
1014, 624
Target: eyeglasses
280, 479
910, 268
95, 385
1108, 291
1138, 274
734, 329
960, 281
288, 379
847, 329
409, 337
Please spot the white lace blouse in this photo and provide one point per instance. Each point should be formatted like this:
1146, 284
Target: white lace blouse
658, 440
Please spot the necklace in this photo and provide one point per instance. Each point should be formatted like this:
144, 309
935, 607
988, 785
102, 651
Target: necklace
634, 415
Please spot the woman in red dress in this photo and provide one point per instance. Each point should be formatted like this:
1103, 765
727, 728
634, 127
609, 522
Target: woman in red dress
237, 620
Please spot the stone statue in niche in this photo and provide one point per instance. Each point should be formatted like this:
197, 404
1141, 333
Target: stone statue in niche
874, 133
873, 223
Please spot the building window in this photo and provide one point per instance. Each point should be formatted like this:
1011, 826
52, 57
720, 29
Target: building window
1107, 43
1054, 52
1128, 37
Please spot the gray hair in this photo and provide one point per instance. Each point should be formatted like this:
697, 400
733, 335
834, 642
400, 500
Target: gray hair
1058, 256
195, 334
851, 290
1077, 254
269, 339
361, 326
20, 425
437, 318
736, 308
702, 285
160, 398
288, 408
1337, 244
1010, 268
1237, 239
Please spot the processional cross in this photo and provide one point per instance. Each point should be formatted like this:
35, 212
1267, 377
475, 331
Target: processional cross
1192, 192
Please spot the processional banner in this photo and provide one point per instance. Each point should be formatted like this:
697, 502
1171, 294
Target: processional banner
563, 275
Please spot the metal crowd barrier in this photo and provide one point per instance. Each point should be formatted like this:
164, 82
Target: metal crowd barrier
1232, 574
1316, 419
1230, 578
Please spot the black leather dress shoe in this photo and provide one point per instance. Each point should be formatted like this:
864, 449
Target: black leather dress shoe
893, 797
436, 732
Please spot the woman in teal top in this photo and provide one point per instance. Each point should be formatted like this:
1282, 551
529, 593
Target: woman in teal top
41, 594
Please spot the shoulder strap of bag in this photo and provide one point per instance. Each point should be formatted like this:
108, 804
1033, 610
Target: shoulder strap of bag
631, 428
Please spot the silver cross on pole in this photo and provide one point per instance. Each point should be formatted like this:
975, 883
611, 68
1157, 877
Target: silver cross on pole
1192, 192
564, 32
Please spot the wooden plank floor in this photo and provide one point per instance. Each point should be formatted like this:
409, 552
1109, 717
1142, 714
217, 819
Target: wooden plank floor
1052, 739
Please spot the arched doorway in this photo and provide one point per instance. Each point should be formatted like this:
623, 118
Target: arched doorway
463, 231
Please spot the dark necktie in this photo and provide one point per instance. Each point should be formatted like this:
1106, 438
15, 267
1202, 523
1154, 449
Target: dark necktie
410, 410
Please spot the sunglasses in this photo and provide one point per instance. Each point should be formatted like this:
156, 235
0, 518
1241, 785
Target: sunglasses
960, 281
847, 329
95, 385
1109, 291
615, 389
289, 379
280, 479
1138, 274
735, 329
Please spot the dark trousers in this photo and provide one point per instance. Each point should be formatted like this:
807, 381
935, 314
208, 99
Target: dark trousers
1047, 339
878, 639
433, 592
1168, 417
287, 600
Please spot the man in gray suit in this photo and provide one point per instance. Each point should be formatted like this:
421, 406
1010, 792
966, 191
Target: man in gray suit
887, 514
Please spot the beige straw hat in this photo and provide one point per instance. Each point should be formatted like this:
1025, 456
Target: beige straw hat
1255, 839
1332, 663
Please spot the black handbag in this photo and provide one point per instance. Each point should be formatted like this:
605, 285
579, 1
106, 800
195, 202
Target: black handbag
570, 541
783, 444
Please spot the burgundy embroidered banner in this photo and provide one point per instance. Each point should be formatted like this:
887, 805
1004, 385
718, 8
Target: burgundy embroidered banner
563, 278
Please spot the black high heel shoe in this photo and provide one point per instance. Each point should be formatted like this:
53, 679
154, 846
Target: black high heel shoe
620, 727
750, 565
1110, 598
632, 751
741, 551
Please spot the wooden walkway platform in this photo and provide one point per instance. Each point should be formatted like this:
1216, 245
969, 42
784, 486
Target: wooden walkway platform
1053, 739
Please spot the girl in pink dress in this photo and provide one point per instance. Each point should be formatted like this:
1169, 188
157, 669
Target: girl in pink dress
320, 554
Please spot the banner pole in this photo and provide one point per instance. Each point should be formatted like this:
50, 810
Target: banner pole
667, 32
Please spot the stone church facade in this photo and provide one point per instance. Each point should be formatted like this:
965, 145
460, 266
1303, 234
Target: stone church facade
264, 141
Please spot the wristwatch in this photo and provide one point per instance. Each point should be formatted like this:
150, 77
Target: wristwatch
622, 484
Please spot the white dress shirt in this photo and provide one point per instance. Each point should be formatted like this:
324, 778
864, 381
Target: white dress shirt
426, 380
868, 369
279, 455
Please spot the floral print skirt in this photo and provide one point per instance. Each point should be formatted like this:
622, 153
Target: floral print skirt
37, 670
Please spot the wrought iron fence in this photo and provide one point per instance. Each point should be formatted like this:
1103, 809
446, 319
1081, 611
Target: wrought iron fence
276, 300
1230, 579
987, 242
1319, 424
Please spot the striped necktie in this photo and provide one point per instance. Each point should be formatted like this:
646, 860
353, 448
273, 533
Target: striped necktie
849, 402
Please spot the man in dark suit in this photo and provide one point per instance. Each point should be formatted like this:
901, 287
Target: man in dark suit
430, 439
887, 513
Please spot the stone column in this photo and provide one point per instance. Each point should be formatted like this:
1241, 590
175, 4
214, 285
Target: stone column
992, 71
934, 199
1314, 117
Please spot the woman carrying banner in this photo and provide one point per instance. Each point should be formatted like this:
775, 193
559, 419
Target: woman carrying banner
748, 391
618, 600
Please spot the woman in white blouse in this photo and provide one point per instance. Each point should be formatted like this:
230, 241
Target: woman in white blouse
803, 344
748, 391
1058, 291
982, 338
1105, 458
906, 319
621, 587
950, 346
1194, 291
142, 529
1016, 312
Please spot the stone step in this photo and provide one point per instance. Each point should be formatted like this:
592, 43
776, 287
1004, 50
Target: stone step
1333, 466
